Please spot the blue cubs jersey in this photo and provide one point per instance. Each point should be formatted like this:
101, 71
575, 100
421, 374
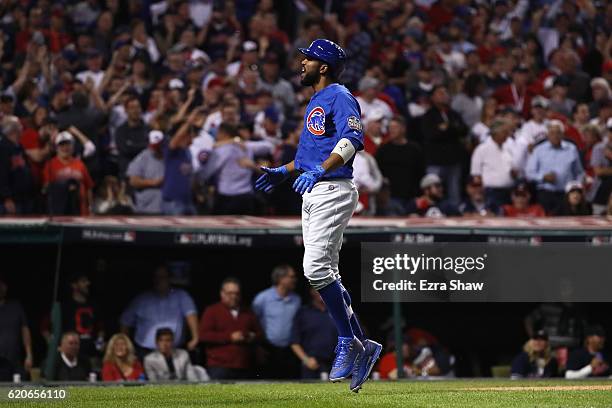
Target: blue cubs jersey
332, 114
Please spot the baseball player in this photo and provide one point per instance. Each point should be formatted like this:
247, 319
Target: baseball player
331, 136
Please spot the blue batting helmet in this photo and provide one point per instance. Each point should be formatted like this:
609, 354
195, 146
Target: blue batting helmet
326, 51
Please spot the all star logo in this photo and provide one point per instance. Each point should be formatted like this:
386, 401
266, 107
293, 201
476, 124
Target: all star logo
354, 123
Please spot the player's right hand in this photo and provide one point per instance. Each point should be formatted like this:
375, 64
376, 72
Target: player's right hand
271, 178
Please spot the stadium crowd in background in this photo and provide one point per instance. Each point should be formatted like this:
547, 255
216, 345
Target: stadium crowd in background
170, 107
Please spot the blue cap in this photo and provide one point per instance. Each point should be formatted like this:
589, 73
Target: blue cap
326, 51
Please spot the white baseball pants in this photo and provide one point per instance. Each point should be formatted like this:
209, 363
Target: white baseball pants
326, 212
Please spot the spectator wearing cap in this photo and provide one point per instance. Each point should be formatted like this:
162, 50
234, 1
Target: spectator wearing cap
88, 119
94, 71
66, 180
591, 360
475, 202
531, 132
559, 102
373, 131
146, 175
601, 162
248, 59
520, 205
574, 203
601, 93
401, 162
271, 81
230, 331
131, 137
16, 181
444, 131
536, 360
431, 203
552, 165
492, 163
370, 102
230, 168
516, 94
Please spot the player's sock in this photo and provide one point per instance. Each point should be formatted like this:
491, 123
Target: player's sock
334, 300
352, 316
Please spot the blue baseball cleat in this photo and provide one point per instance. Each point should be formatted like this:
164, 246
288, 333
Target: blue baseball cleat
364, 364
347, 350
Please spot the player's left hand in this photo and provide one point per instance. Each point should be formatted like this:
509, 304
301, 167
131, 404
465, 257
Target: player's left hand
307, 180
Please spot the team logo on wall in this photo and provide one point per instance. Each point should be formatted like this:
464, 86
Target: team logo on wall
315, 121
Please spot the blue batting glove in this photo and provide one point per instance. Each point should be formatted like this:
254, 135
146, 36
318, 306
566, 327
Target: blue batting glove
271, 178
307, 180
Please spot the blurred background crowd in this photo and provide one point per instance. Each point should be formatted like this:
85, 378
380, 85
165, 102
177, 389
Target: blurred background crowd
142, 107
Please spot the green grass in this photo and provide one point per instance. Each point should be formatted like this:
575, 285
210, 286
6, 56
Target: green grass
458, 393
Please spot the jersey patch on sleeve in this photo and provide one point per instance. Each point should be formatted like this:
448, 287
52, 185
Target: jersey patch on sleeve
354, 123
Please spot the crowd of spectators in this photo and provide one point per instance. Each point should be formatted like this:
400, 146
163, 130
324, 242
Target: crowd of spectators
170, 107
277, 336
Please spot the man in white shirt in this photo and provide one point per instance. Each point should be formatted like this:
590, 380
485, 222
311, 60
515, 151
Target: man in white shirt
369, 102
532, 132
492, 164
94, 68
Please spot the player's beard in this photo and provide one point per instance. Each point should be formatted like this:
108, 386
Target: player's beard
310, 78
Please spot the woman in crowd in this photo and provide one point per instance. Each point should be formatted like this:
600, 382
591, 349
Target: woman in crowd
574, 202
120, 362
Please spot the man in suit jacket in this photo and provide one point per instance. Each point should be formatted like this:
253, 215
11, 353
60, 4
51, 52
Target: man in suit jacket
168, 363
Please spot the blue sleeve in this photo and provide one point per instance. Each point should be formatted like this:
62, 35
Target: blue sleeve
577, 168
347, 118
186, 304
532, 169
128, 317
257, 306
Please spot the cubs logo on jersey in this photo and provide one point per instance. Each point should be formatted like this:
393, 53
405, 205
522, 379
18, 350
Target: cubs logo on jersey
315, 121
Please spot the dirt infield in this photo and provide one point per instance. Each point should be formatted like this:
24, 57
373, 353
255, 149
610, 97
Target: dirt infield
546, 388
